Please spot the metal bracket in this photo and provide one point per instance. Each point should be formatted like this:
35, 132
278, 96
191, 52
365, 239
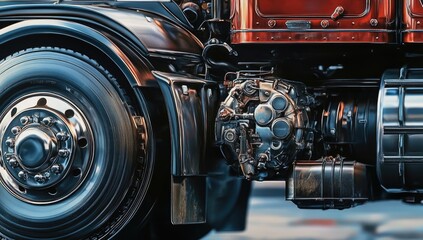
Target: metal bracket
139, 123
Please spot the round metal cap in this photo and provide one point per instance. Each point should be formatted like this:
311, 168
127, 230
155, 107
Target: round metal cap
263, 114
281, 128
34, 147
279, 103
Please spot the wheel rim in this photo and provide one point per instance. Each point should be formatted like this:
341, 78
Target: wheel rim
100, 187
46, 146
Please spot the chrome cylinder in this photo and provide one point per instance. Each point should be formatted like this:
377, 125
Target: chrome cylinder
400, 131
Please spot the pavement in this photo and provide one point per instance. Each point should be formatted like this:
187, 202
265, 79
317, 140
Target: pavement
271, 217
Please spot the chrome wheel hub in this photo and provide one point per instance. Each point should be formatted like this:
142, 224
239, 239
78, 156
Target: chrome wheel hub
46, 147
35, 147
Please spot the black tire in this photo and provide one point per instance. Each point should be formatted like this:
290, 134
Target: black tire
88, 184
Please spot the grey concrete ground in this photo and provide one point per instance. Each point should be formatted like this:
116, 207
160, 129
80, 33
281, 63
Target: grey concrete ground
272, 217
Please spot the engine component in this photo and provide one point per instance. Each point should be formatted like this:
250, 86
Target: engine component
399, 134
328, 183
263, 124
348, 126
191, 11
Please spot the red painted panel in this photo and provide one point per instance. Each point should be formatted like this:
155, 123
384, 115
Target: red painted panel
278, 8
313, 21
415, 7
413, 19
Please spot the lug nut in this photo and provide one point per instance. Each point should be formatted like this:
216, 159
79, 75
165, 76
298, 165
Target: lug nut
22, 175
16, 130
56, 169
10, 142
26, 120
63, 153
48, 121
39, 178
13, 162
62, 136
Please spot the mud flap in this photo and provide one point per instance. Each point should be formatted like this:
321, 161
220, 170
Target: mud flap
190, 104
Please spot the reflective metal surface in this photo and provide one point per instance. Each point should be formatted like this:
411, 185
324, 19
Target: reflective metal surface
262, 125
157, 34
265, 21
328, 183
189, 102
47, 148
304, 8
400, 130
412, 17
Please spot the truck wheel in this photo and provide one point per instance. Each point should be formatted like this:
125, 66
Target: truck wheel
70, 166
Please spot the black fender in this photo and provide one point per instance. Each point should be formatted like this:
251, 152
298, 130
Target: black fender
148, 34
191, 105
83, 33
200, 178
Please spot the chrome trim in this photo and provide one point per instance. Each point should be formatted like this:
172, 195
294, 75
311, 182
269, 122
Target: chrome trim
54, 179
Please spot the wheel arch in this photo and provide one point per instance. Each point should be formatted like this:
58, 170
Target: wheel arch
29, 33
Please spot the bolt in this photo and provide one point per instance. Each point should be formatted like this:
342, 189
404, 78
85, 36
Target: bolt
25, 120
63, 153
56, 169
47, 175
39, 178
324, 23
10, 142
22, 175
13, 162
373, 22
230, 136
16, 130
271, 23
48, 121
62, 136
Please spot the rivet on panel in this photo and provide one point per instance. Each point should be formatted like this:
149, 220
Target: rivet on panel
324, 23
373, 22
271, 23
